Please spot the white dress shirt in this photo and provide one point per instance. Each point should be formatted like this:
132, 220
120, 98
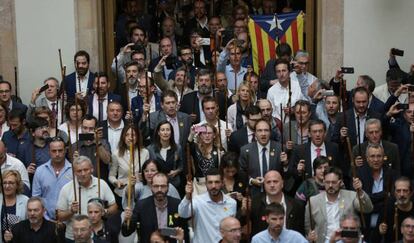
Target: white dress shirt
278, 94
114, 135
83, 83
95, 105
362, 120
333, 217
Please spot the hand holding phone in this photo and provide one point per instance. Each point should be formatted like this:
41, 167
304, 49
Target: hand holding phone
43, 88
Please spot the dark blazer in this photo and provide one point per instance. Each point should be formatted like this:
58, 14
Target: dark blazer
174, 161
303, 151
111, 97
377, 105
184, 125
70, 82
19, 106
145, 213
239, 138
377, 199
295, 214
190, 105
350, 124
391, 158
269, 73
249, 161
155, 61
137, 102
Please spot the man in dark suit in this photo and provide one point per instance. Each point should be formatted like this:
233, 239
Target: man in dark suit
199, 21
180, 121
146, 211
191, 103
80, 81
246, 134
273, 186
148, 100
98, 101
166, 49
373, 133
377, 179
5, 97
257, 158
359, 114
303, 155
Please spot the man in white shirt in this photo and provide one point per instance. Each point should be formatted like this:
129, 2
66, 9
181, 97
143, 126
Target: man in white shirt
278, 94
112, 127
234, 71
8, 162
207, 209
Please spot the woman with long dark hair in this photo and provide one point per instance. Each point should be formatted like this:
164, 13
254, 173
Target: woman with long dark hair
166, 152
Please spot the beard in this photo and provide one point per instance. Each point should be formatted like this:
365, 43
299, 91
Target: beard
132, 81
81, 71
204, 89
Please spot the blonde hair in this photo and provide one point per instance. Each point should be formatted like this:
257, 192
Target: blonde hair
19, 183
216, 142
251, 92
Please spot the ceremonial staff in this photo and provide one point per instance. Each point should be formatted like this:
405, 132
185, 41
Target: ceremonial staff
235, 72
248, 199
311, 221
396, 229
57, 226
76, 125
80, 200
190, 178
15, 83
300, 123
147, 100
56, 115
184, 82
289, 107
386, 201
130, 171
354, 175
281, 130
98, 166
359, 136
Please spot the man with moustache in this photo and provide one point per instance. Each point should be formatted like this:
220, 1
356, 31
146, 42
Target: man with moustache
276, 231
36, 228
38, 146
81, 80
230, 230
155, 212
330, 205
52, 176
403, 204
192, 102
207, 209
130, 87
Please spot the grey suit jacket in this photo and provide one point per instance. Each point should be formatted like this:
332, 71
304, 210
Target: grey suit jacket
184, 125
250, 163
348, 202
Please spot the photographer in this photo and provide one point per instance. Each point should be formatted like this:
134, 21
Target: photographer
349, 231
392, 63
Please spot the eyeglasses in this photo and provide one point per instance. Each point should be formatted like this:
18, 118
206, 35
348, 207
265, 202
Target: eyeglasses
234, 231
9, 183
4, 91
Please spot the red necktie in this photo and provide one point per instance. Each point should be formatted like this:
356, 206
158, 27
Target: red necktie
318, 152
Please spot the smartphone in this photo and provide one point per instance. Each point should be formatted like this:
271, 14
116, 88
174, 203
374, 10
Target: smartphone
205, 41
347, 69
397, 52
402, 106
328, 93
226, 36
169, 62
168, 231
233, 195
411, 88
44, 87
349, 234
86, 136
200, 129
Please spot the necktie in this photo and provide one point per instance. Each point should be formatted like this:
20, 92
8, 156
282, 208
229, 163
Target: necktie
318, 152
253, 138
176, 130
100, 111
264, 161
54, 113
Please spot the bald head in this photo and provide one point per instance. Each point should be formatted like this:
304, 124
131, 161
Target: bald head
273, 183
230, 230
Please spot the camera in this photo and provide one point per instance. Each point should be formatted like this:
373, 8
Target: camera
397, 52
138, 47
347, 70
328, 93
170, 62
402, 106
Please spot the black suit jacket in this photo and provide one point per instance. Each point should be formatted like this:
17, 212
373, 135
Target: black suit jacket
240, 138
295, 214
350, 124
190, 104
304, 152
391, 158
145, 213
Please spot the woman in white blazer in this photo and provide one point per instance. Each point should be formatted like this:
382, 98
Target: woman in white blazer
16, 202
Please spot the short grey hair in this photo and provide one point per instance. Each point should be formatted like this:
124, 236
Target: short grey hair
79, 160
372, 121
373, 146
301, 53
351, 216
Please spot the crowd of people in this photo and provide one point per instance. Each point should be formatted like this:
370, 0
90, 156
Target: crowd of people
190, 144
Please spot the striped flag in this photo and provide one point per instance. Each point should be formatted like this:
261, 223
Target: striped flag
266, 31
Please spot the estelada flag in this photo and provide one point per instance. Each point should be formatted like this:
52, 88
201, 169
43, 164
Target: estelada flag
266, 31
